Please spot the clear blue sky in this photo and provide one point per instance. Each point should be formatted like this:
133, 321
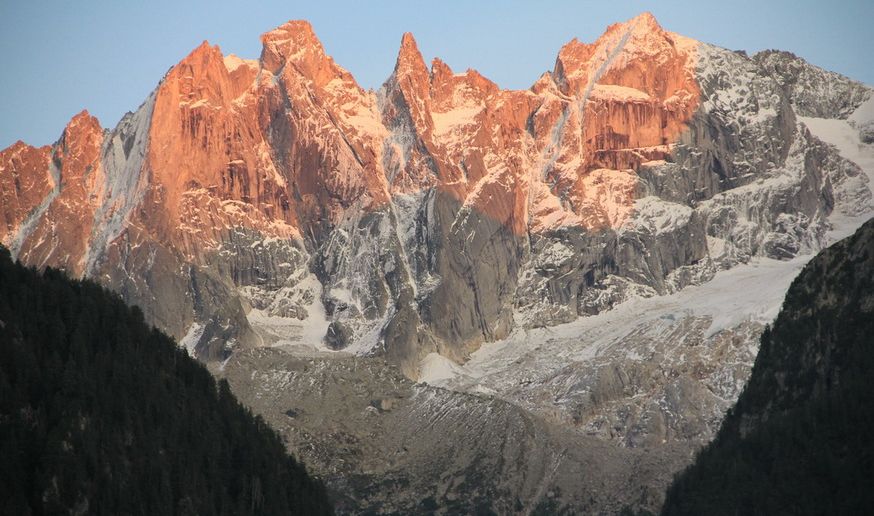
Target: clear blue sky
106, 56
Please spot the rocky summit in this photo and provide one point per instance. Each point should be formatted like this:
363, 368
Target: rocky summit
599, 252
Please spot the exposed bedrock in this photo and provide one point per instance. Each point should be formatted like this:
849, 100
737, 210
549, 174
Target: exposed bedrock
254, 202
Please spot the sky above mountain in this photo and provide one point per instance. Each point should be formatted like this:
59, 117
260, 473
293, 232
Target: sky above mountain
106, 56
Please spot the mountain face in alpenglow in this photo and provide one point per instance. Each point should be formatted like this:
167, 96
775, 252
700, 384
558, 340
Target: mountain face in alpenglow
255, 202
572, 279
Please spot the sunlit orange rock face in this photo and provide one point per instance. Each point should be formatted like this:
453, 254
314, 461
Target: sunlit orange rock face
71, 182
634, 92
638, 110
322, 126
210, 166
281, 145
291, 138
290, 147
25, 181
541, 158
60, 238
469, 136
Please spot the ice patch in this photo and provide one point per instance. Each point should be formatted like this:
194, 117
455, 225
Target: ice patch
435, 368
845, 138
448, 122
276, 330
618, 93
232, 62
751, 292
190, 340
864, 114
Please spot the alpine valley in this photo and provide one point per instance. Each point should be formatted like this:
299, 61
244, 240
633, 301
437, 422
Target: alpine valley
451, 297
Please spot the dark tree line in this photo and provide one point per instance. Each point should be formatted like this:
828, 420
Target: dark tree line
801, 438
102, 414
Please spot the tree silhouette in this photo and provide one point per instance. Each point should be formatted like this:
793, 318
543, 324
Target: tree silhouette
101, 414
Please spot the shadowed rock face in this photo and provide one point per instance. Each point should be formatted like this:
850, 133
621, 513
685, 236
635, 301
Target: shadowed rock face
248, 202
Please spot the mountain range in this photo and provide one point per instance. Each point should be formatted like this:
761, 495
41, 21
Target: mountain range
597, 255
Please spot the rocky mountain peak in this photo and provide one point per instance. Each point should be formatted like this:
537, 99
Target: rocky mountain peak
642, 28
439, 69
83, 125
641, 39
204, 51
645, 22
815, 92
409, 58
544, 83
409, 85
424, 216
79, 117
201, 78
68, 184
295, 42
15, 148
80, 145
25, 180
572, 57
450, 90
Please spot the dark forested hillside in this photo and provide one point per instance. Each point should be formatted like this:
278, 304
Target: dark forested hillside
801, 438
101, 414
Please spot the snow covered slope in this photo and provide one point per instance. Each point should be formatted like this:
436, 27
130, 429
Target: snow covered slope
663, 368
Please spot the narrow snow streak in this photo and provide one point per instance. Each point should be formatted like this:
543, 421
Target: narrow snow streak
552, 151
587, 92
30, 223
401, 248
125, 181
